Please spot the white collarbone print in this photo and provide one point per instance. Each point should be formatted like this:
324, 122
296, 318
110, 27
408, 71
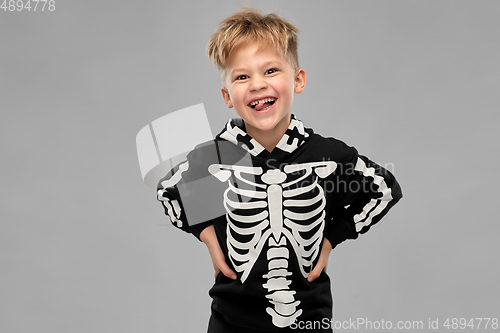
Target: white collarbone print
277, 208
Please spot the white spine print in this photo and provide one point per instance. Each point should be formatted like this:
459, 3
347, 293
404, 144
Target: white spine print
274, 218
285, 309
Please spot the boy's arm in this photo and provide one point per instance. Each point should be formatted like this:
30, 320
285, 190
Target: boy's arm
365, 193
209, 237
168, 194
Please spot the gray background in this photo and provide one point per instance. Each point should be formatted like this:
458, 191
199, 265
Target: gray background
84, 245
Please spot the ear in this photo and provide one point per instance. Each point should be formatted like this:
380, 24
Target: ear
227, 98
300, 80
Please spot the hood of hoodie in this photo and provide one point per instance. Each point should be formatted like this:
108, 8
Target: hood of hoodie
294, 137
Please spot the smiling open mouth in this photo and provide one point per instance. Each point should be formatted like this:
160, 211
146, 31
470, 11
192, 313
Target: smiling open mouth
260, 105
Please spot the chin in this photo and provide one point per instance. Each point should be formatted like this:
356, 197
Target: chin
264, 121
264, 125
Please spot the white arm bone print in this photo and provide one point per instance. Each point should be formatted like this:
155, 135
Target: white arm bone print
285, 211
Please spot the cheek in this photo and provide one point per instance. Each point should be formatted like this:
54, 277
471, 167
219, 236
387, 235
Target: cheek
237, 96
286, 87
286, 91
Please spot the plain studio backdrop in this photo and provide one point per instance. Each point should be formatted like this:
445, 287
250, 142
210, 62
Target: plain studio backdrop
86, 247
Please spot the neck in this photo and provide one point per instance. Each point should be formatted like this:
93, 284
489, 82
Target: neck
270, 138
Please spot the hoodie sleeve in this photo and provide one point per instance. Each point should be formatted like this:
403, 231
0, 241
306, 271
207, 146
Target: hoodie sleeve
175, 188
168, 195
365, 193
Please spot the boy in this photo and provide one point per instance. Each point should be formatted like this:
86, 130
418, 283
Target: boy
288, 195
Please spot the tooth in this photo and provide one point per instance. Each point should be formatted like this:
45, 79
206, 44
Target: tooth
260, 101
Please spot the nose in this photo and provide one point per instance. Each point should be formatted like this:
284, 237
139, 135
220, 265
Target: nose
257, 83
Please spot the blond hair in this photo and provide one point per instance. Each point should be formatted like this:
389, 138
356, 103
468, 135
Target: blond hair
251, 25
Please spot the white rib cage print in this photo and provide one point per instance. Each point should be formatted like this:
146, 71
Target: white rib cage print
277, 212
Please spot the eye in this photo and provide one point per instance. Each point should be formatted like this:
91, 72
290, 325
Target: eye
241, 77
271, 71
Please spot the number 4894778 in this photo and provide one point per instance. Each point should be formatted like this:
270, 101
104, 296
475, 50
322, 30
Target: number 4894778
28, 5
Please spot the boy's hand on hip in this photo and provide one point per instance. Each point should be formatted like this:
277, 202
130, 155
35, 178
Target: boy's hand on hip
322, 261
209, 237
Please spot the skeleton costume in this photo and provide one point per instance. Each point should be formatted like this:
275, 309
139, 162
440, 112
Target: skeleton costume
271, 212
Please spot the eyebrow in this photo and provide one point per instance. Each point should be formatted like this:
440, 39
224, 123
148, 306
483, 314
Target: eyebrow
266, 64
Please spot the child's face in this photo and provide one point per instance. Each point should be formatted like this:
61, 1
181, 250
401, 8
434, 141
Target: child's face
254, 75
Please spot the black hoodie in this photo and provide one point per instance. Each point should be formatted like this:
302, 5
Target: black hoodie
271, 212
